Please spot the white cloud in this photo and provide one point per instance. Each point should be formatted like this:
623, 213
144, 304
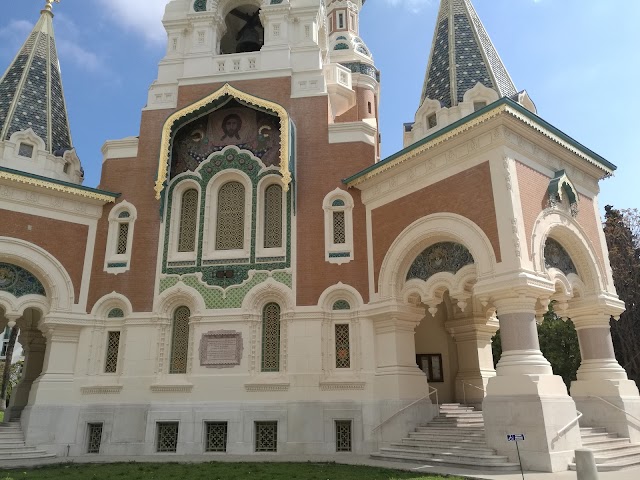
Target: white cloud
413, 5
140, 16
13, 36
71, 46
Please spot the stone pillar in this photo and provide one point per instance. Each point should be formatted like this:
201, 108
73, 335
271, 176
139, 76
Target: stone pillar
602, 384
475, 358
54, 386
33, 345
525, 397
398, 382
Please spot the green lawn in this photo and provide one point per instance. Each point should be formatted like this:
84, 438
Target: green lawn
212, 471
1, 416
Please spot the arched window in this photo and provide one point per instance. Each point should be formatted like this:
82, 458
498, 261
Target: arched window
273, 216
230, 217
188, 221
120, 238
180, 341
271, 338
338, 224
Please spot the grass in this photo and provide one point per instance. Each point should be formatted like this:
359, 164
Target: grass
213, 471
1, 417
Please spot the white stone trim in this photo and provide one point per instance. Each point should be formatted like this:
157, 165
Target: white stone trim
332, 249
54, 278
111, 256
209, 251
348, 132
123, 148
426, 231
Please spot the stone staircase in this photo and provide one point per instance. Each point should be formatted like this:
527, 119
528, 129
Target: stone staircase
612, 452
12, 446
454, 438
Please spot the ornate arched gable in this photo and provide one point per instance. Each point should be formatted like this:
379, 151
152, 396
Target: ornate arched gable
210, 104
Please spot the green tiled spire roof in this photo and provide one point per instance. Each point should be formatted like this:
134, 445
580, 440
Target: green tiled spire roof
461, 56
31, 94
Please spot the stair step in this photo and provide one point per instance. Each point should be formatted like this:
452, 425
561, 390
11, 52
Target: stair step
472, 464
461, 430
594, 445
479, 448
585, 430
446, 436
491, 458
27, 455
616, 457
12, 448
612, 467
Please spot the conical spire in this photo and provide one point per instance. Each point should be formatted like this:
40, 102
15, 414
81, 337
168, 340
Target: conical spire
461, 56
31, 93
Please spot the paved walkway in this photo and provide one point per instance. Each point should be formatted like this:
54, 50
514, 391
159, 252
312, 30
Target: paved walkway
632, 474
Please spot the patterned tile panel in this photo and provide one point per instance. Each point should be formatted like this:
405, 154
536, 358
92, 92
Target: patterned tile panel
470, 66
437, 85
232, 297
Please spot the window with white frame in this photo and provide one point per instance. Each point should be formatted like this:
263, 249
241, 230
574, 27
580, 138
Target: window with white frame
180, 340
338, 223
271, 219
185, 222
120, 238
228, 217
112, 350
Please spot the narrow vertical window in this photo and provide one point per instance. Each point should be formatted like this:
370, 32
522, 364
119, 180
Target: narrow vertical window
273, 216
113, 346
180, 341
343, 436
188, 221
343, 346
94, 437
230, 221
339, 230
123, 239
271, 338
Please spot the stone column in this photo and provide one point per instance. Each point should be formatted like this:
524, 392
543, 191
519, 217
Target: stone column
475, 359
33, 345
525, 397
54, 386
602, 391
398, 382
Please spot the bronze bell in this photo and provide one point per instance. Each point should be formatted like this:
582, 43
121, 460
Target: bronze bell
248, 37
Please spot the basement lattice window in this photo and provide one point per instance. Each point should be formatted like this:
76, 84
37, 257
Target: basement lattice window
167, 437
266, 436
343, 436
94, 437
216, 440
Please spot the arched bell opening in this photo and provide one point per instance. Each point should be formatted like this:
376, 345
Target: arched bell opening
245, 32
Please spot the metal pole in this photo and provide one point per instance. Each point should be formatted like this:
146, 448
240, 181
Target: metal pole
519, 459
464, 393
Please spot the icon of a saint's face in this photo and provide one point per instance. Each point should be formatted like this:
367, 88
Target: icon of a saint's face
231, 126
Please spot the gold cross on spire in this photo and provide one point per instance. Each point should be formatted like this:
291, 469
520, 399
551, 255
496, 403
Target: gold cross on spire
49, 4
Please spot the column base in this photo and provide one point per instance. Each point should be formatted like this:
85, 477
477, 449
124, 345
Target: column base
538, 407
593, 398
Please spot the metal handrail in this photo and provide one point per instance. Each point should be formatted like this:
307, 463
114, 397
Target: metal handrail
464, 392
431, 391
564, 429
616, 407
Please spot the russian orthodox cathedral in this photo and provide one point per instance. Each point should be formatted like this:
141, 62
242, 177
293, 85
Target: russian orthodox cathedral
250, 276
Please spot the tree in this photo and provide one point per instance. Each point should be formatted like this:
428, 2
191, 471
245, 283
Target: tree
622, 231
7, 367
558, 343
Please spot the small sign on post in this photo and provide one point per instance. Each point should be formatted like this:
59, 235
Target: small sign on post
517, 437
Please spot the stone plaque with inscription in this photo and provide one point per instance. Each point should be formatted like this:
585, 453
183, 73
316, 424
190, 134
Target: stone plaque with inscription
221, 349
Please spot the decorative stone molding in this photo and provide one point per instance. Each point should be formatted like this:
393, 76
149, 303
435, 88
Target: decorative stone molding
101, 390
267, 387
341, 385
171, 388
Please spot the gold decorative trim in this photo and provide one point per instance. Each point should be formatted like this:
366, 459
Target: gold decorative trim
57, 187
467, 126
165, 144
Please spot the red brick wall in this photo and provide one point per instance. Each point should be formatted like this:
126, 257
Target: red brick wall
468, 194
534, 199
65, 241
320, 169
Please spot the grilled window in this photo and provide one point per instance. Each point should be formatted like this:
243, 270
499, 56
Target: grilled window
339, 228
216, 440
180, 341
271, 338
188, 221
343, 347
343, 435
166, 437
266, 436
123, 238
94, 437
273, 217
230, 221
113, 345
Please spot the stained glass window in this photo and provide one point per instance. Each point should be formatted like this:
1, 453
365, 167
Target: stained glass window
343, 346
113, 345
271, 338
180, 341
339, 228
123, 238
273, 217
230, 223
341, 305
188, 221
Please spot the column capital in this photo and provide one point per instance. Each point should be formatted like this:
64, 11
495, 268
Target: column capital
12, 319
596, 311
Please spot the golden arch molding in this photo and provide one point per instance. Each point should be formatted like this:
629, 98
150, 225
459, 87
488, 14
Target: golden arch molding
226, 90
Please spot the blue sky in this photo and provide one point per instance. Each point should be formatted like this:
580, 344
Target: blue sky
578, 60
